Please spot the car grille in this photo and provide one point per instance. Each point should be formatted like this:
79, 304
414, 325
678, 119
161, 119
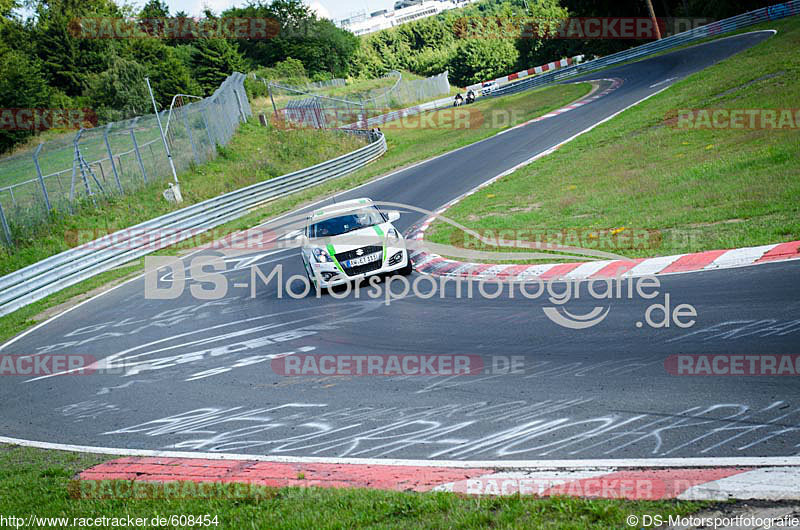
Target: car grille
361, 269
350, 254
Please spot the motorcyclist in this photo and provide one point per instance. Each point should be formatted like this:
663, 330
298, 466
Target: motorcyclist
459, 101
470, 96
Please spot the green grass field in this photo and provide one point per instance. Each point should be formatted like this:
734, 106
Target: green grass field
34, 481
700, 189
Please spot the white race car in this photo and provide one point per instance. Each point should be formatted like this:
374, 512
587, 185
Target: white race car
489, 87
352, 240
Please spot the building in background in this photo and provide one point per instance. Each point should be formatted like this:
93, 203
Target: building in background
404, 11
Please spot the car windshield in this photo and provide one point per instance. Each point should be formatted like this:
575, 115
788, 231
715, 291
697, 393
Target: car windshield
346, 223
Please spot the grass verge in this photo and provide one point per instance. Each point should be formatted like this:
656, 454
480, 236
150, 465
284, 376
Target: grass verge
245, 160
696, 189
35, 481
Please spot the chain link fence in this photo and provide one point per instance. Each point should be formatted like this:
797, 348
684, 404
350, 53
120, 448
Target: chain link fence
329, 83
298, 108
77, 170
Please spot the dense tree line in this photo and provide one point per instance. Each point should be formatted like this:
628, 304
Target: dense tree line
503, 42
46, 62
44, 65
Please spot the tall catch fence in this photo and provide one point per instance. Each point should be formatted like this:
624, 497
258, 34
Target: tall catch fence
298, 108
78, 169
328, 83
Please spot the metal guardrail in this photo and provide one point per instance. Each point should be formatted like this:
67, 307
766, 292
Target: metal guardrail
719, 27
376, 121
58, 272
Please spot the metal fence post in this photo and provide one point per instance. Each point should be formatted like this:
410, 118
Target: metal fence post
239, 104
6, 229
274, 108
41, 179
161, 129
111, 157
136, 149
74, 169
78, 160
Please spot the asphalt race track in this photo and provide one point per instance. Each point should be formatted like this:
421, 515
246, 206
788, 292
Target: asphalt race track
204, 380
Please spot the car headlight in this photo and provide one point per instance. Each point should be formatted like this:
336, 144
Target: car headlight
392, 234
321, 255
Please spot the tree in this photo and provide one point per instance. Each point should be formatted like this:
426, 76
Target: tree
167, 68
120, 91
537, 45
320, 45
479, 60
68, 60
213, 60
327, 49
6, 7
154, 9
22, 85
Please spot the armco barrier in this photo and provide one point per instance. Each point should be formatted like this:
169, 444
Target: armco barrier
727, 25
376, 121
58, 272
554, 65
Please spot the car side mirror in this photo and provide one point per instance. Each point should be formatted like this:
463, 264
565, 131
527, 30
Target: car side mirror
393, 215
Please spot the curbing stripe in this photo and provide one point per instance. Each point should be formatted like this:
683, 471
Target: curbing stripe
681, 263
558, 272
652, 266
739, 256
783, 251
768, 484
717, 483
693, 262
585, 270
276, 474
616, 268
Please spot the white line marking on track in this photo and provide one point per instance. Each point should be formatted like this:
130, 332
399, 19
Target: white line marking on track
662, 82
610, 463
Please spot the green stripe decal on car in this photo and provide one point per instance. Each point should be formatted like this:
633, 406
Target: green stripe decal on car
380, 234
332, 254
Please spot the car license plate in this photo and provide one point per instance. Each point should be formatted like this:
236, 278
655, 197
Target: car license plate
363, 260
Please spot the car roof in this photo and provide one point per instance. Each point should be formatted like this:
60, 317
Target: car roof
343, 206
